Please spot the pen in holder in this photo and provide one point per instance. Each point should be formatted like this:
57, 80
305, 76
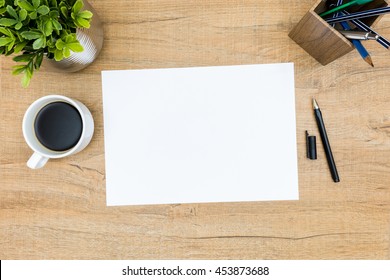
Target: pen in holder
321, 40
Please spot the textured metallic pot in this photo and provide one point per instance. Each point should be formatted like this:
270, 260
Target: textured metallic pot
92, 41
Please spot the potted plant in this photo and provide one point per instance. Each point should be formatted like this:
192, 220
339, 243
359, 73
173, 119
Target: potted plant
52, 29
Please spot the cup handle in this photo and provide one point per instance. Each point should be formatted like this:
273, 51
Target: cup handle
37, 161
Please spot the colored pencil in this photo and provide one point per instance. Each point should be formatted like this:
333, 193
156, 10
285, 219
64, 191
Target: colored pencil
359, 46
359, 15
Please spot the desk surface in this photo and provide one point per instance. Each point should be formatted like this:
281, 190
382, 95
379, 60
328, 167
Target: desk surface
60, 211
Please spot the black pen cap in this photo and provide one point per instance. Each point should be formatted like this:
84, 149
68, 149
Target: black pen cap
311, 146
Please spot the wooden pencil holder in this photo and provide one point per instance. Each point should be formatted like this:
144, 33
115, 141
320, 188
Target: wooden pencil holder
321, 40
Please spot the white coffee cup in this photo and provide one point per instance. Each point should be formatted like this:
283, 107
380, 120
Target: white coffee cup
41, 153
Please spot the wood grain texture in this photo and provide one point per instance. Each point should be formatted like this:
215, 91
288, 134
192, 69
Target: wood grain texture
59, 212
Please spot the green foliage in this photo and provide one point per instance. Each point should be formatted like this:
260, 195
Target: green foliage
2, 7
65, 46
81, 18
16, 19
34, 9
38, 28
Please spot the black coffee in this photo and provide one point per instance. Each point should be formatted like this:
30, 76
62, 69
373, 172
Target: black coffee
58, 126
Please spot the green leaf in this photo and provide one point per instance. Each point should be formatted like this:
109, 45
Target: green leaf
48, 28
66, 52
85, 14
11, 45
58, 32
51, 43
25, 5
38, 60
18, 25
57, 25
58, 56
8, 52
8, 21
83, 23
2, 3
20, 46
2, 10
23, 58
39, 43
30, 66
5, 31
77, 6
22, 14
11, 11
43, 10
36, 3
33, 15
18, 69
54, 14
64, 11
20, 38
54, 3
75, 47
60, 44
4, 41
26, 79
31, 35
70, 38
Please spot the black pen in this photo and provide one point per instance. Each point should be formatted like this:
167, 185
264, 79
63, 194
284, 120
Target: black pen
325, 142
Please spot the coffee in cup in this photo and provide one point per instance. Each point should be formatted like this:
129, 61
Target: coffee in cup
56, 126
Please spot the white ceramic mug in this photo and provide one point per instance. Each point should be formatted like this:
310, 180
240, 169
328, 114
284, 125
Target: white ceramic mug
41, 153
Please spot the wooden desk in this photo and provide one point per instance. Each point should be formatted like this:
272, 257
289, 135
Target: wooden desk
60, 211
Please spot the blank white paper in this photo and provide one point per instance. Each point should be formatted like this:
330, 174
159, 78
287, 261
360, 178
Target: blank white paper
202, 134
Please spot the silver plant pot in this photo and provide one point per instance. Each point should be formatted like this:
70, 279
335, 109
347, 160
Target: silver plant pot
92, 41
